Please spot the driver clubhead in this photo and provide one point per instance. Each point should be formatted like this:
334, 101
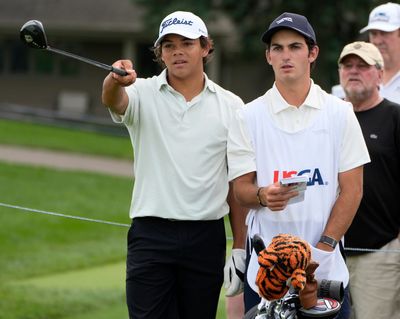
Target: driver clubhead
32, 34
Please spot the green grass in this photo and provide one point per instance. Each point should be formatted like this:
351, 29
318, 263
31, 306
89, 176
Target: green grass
63, 139
30, 302
53, 267
89, 292
53, 241
118, 311
35, 246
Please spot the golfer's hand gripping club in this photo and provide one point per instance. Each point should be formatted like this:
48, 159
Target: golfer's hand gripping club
119, 71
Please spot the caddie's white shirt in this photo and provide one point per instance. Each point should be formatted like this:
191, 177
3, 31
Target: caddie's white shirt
180, 159
291, 119
321, 138
391, 90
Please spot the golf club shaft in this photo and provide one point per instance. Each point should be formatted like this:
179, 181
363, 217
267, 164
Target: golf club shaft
92, 62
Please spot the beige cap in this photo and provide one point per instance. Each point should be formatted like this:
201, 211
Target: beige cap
365, 50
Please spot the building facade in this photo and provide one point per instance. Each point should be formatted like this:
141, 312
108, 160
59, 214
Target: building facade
104, 31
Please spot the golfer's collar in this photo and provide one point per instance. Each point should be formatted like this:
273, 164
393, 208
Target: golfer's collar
279, 104
162, 81
209, 84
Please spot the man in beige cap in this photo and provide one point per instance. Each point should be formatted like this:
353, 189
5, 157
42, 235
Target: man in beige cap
384, 31
374, 276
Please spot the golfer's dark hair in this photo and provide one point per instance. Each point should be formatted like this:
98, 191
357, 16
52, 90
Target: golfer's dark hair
204, 42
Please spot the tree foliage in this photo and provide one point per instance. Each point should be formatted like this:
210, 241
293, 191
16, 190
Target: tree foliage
336, 22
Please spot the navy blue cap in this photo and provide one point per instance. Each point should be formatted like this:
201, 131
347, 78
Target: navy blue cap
292, 21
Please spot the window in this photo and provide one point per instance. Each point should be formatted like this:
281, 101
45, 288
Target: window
2, 56
69, 67
43, 62
19, 58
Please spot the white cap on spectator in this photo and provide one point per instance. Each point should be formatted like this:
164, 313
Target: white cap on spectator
385, 17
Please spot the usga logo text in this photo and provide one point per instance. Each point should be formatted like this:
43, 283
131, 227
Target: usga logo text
315, 176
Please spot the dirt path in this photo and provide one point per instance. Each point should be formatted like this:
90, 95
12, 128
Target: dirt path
66, 161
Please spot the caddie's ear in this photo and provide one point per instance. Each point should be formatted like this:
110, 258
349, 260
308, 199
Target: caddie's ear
313, 54
267, 56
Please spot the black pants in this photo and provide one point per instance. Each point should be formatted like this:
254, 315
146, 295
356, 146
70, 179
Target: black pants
174, 268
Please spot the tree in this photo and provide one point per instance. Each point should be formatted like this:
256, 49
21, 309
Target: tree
335, 22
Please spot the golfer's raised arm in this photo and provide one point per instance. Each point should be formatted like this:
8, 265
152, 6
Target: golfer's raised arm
113, 94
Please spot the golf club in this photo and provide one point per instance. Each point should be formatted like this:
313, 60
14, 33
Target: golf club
32, 34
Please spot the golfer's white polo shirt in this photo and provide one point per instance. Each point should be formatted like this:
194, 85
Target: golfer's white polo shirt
179, 148
293, 119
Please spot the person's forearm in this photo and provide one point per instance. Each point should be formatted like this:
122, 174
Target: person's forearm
246, 195
237, 219
274, 196
346, 204
249, 197
239, 229
342, 214
114, 95
246, 191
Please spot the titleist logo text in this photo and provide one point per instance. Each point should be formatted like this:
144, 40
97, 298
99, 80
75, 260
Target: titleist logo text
171, 21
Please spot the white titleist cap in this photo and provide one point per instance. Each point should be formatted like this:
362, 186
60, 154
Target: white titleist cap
385, 17
183, 23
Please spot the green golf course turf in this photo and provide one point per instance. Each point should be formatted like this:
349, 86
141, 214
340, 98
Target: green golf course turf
102, 279
59, 268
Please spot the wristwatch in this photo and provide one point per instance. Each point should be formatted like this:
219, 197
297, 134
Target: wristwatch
258, 197
328, 241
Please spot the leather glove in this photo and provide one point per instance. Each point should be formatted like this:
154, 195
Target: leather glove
234, 272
